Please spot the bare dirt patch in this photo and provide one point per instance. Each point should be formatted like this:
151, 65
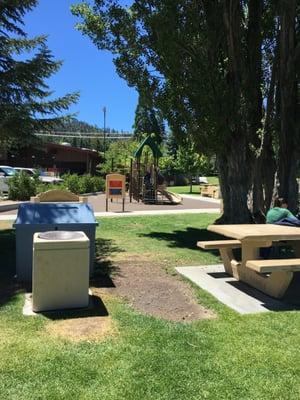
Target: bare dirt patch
92, 323
150, 290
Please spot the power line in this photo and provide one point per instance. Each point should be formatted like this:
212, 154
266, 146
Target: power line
84, 135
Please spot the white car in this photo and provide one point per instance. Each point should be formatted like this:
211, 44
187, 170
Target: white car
29, 171
42, 178
199, 180
6, 173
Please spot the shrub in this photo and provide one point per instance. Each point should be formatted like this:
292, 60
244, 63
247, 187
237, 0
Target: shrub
72, 183
84, 183
91, 184
99, 184
44, 187
180, 180
21, 186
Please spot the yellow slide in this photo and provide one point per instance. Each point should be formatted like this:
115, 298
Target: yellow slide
173, 198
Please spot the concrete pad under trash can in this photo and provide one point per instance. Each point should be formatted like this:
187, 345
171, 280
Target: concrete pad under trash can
235, 294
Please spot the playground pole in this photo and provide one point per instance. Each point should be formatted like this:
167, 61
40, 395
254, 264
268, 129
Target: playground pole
104, 128
130, 181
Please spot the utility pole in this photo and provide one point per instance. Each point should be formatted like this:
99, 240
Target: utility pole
104, 129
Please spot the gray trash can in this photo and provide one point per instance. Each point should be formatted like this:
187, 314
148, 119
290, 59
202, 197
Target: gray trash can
60, 276
41, 217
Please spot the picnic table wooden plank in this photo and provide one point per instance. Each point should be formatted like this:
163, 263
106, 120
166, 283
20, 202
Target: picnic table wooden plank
257, 232
265, 266
219, 244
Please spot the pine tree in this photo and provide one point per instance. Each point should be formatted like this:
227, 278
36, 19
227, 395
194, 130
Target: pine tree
24, 103
148, 121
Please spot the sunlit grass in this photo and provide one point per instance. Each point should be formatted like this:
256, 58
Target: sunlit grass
212, 180
253, 357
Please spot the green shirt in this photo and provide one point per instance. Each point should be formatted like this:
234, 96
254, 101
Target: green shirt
276, 214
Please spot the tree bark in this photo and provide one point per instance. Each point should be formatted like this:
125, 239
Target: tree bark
268, 160
233, 162
253, 95
234, 183
191, 184
289, 135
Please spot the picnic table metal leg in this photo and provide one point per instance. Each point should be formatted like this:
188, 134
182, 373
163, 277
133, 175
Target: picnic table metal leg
275, 284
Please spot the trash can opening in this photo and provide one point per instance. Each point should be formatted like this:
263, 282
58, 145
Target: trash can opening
61, 235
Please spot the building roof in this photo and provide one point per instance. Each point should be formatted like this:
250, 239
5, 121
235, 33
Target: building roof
56, 146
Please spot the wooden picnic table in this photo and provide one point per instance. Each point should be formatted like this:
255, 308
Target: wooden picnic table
253, 237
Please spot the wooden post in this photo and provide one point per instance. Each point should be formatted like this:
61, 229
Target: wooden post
138, 178
130, 180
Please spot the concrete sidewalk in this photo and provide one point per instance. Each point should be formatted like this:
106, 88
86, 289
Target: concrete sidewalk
8, 205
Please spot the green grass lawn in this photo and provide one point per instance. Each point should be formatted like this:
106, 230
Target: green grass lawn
212, 180
230, 357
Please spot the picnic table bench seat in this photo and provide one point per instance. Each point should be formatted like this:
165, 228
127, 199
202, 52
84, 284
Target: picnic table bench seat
282, 265
219, 244
210, 191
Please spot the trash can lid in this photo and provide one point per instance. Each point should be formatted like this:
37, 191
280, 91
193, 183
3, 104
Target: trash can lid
61, 235
55, 213
60, 240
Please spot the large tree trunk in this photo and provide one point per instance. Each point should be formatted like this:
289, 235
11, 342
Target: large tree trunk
288, 138
253, 95
267, 156
233, 162
234, 183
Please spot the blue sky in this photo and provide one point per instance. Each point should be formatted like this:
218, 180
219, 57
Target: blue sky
85, 68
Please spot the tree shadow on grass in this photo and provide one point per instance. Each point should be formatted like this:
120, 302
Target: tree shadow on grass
8, 285
104, 268
187, 238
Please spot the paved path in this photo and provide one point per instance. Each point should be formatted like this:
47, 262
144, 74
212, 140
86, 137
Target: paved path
190, 204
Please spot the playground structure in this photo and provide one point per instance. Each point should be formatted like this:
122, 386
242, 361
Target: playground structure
146, 182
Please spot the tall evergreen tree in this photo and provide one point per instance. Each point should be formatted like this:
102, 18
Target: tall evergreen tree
148, 121
24, 96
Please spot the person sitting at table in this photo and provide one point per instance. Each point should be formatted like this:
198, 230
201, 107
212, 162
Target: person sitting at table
280, 212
